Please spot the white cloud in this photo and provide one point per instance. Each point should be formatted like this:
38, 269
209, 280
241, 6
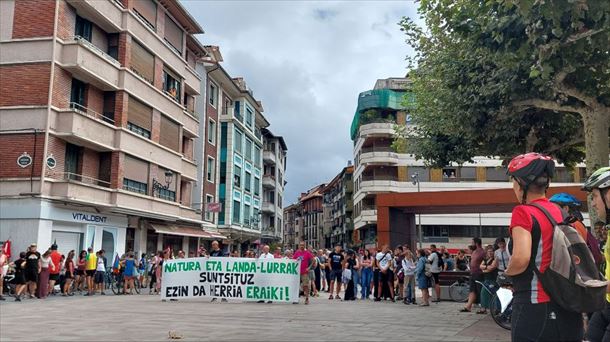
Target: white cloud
308, 61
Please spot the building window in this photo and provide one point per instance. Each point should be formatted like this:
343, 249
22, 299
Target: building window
247, 217
257, 155
208, 215
171, 84
78, 94
135, 186
213, 95
248, 149
248, 181
166, 194
83, 28
173, 34
138, 130
248, 117
238, 141
257, 184
210, 170
139, 117
228, 104
237, 177
236, 211
212, 132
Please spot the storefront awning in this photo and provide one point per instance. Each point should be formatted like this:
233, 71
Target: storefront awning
186, 231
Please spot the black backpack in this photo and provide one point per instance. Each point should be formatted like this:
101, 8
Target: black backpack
572, 279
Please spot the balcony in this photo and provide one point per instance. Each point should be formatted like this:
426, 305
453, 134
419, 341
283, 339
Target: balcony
162, 49
106, 14
384, 129
83, 126
79, 188
89, 63
268, 207
269, 157
145, 204
189, 169
268, 181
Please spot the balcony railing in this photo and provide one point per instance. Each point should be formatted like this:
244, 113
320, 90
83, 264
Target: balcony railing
379, 177
77, 107
75, 177
84, 42
377, 149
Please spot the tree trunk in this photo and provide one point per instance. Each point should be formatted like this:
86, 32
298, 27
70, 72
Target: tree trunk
596, 125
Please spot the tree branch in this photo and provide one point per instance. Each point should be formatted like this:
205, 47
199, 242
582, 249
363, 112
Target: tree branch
570, 143
546, 104
571, 39
562, 87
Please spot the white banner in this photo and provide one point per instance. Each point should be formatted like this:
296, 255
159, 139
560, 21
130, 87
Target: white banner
244, 279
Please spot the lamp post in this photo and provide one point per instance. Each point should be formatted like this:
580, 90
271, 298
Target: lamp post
415, 181
157, 186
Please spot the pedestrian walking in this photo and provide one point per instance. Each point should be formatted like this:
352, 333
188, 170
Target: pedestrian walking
69, 274
478, 253
20, 266
306, 259
54, 273
46, 266
32, 269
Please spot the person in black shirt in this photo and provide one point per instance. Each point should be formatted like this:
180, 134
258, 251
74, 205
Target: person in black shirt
216, 251
335, 266
33, 267
19, 280
351, 263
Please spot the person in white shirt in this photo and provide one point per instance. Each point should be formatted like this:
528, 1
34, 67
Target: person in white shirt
384, 259
434, 260
501, 255
265, 254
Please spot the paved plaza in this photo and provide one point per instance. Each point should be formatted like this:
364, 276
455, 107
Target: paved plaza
146, 318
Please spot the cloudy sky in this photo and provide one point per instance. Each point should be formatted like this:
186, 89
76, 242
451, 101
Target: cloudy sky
307, 61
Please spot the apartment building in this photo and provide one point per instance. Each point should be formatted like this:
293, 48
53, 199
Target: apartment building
238, 167
312, 216
338, 206
97, 125
292, 231
379, 169
274, 181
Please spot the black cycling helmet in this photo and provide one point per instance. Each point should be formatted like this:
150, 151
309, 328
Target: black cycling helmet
531, 168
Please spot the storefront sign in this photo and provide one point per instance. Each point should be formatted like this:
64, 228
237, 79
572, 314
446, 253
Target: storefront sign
215, 207
89, 217
24, 160
231, 278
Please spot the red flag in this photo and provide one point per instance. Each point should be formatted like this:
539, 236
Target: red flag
6, 248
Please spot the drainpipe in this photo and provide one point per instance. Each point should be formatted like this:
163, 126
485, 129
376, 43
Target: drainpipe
49, 100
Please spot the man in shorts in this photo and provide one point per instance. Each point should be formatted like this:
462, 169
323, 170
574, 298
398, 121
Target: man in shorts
54, 275
335, 267
478, 253
435, 268
100, 271
306, 259
90, 267
33, 267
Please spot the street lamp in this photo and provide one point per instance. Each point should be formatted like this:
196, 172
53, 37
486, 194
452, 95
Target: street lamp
415, 181
157, 186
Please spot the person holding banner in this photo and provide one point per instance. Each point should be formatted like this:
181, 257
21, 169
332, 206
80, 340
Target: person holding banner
306, 259
266, 255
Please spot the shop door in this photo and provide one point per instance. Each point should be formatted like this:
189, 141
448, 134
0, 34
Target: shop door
67, 241
108, 244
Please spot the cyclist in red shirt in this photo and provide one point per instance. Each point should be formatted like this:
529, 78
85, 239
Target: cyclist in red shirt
535, 316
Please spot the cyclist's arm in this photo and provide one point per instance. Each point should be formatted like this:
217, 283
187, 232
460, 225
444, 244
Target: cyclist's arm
522, 250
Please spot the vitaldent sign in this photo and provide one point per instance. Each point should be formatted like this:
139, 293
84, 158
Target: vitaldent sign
89, 218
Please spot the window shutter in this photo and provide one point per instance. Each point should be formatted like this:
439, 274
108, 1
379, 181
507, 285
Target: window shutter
142, 61
173, 33
170, 134
135, 169
139, 114
147, 9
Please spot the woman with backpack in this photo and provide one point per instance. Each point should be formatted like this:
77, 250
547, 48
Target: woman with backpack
536, 317
423, 279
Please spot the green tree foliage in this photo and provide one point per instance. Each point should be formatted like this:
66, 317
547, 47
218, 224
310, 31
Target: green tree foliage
503, 77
